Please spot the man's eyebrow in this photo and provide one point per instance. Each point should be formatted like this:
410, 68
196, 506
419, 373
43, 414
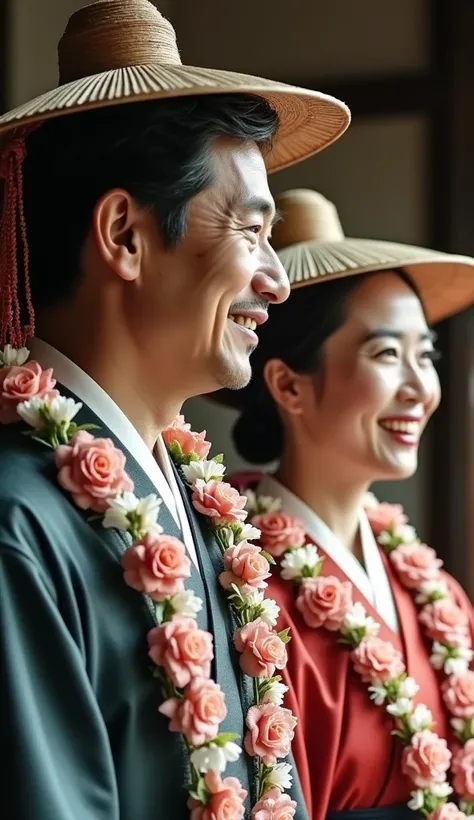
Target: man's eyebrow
261, 205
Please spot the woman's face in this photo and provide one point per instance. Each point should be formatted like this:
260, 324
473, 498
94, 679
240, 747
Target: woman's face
377, 388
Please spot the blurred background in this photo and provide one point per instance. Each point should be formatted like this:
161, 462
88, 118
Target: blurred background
403, 172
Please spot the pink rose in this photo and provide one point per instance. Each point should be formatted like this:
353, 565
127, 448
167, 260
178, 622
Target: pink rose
377, 660
156, 565
445, 622
416, 563
274, 806
458, 694
426, 760
463, 771
226, 799
270, 732
189, 442
182, 649
93, 470
199, 714
262, 650
21, 383
245, 566
279, 532
221, 502
386, 517
324, 601
448, 811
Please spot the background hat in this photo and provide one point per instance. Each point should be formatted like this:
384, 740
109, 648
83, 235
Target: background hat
118, 51
312, 247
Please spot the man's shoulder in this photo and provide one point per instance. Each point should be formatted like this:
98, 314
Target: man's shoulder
26, 466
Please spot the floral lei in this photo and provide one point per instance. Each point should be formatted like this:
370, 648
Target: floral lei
93, 471
325, 601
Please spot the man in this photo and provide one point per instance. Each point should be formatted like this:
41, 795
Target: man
137, 237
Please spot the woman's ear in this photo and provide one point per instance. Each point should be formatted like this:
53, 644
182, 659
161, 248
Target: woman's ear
285, 386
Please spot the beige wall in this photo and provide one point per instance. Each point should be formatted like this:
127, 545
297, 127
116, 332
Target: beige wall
376, 174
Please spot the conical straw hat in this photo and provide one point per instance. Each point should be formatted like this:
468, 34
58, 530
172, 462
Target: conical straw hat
119, 51
313, 249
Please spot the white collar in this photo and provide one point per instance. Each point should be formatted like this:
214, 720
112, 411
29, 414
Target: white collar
92, 395
372, 582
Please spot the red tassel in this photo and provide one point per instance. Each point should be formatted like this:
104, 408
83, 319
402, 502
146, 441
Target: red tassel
12, 228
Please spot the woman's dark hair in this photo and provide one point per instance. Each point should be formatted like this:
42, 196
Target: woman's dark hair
295, 333
157, 151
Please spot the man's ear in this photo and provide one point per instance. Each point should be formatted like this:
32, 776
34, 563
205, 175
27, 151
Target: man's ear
115, 222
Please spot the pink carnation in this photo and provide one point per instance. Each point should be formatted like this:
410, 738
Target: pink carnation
279, 532
182, 649
245, 566
324, 601
416, 563
426, 760
458, 694
92, 470
157, 565
445, 622
274, 806
226, 799
377, 660
21, 383
270, 732
463, 771
262, 650
218, 500
448, 811
189, 442
199, 714
386, 517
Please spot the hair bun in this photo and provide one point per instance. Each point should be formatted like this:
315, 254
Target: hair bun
258, 433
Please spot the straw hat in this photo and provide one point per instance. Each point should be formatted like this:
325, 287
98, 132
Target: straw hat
312, 247
118, 51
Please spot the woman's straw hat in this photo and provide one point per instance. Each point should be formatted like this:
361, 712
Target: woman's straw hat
119, 51
313, 249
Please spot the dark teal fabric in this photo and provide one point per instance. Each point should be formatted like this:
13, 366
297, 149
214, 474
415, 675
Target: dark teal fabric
80, 734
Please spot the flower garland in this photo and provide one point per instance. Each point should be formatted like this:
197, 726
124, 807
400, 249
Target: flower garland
325, 601
93, 471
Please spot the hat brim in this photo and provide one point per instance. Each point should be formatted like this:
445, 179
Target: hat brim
309, 120
445, 281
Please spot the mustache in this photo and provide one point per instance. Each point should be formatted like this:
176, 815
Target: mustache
249, 304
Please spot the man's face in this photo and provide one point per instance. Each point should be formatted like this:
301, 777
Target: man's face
196, 307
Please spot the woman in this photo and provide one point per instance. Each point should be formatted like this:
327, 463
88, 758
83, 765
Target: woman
344, 384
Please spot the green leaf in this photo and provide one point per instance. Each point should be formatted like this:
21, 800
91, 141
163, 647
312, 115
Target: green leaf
219, 459
284, 635
225, 737
269, 557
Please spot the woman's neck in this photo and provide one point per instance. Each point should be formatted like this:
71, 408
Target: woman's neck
335, 499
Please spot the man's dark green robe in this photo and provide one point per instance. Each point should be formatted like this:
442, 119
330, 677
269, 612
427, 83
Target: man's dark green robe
81, 735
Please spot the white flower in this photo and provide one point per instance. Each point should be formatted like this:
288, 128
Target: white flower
441, 789
357, 618
257, 504
439, 655
429, 588
11, 356
280, 776
404, 532
275, 693
370, 502
215, 758
270, 611
454, 660
186, 603
63, 410
206, 469
30, 412
378, 693
408, 688
457, 666
296, 560
420, 719
126, 506
458, 724
400, 708
417, 800
247, 533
